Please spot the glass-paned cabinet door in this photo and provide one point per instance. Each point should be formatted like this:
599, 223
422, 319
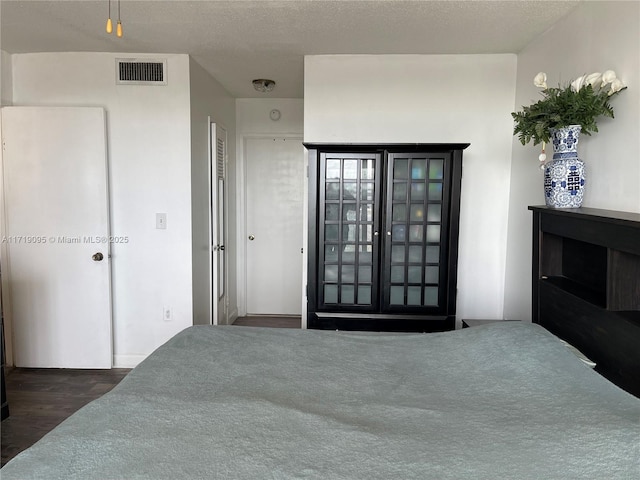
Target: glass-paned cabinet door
415, 230
349, 223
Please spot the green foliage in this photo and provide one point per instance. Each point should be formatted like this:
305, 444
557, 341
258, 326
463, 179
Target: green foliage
562, 107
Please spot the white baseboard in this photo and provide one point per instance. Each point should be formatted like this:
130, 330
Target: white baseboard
127, 361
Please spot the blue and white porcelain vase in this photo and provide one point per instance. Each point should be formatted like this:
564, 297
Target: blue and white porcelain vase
564, 174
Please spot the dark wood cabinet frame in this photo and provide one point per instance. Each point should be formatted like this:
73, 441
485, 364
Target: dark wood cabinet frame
378, 316
586, 286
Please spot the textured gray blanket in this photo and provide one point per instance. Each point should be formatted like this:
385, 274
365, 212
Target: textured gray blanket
503, 401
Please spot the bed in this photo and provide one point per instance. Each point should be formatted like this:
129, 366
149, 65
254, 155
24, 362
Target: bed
501, 401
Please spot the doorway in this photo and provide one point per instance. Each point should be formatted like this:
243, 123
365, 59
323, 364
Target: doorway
274, 193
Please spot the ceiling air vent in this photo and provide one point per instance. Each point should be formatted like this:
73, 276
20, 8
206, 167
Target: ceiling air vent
136, 72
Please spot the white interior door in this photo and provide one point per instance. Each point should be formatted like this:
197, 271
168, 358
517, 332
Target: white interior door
57, 236
218, 224
274, 193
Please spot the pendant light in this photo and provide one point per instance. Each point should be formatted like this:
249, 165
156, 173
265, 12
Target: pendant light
110, 23
119, 26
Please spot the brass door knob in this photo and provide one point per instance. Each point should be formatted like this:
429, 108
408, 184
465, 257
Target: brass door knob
97, 257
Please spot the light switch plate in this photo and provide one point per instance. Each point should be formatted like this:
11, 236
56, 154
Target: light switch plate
161, 221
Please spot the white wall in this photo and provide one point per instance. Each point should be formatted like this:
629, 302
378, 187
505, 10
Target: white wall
596, 36
253, 116
149, 147
439, 99
6, 81
252, 119
210, 100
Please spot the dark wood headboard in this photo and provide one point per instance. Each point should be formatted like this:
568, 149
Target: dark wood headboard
586, 286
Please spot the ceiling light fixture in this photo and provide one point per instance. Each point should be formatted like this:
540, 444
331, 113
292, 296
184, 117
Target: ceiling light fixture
119, 26
263, 85
110, 23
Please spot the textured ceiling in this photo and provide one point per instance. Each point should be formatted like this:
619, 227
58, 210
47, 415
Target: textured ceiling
239, 40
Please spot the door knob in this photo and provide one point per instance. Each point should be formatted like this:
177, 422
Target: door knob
97, 257
252, 237
221, 247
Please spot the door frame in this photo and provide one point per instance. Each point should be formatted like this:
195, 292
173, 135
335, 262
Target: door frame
241, 200
213, 222
4, 266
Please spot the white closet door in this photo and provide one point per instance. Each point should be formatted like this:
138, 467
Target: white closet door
57, 231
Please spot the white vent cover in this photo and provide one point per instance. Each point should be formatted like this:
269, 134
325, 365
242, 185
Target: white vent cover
220, 157
131, 71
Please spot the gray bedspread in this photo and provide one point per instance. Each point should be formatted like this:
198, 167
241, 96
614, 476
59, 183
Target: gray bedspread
502, 401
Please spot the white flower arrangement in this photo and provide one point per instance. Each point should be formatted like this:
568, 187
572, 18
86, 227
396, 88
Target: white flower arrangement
580, 103
597, 81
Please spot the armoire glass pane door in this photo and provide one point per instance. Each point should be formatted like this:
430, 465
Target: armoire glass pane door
415, 227
349, 230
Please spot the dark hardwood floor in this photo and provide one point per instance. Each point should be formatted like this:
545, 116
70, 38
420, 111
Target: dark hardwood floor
269, 321
41, 398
